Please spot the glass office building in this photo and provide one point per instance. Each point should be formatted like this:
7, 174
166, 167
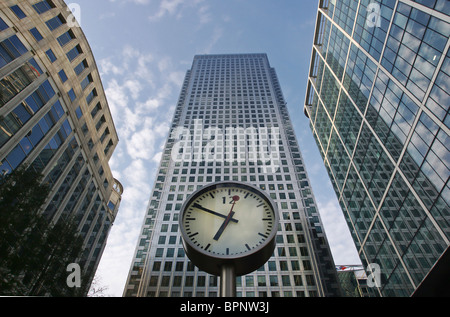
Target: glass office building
54, 118
378, 103
231, 123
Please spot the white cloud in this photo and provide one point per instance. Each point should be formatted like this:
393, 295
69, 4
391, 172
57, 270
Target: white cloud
121, 242
117, 99
204, 14
164, 64
107, 15
177, 77
134, 86
167, 7
136, 174
106, 66
216, 36
142, 2
142, 91
148, 106
178, 8
157, 157
141, 144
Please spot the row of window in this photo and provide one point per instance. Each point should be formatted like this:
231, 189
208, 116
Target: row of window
12, 84
414, 48
78, 69
19, 116
200, 293
248, 281
40, 7
10, 49
17, 155
96, 225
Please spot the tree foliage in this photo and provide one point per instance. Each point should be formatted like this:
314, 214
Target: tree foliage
34, 252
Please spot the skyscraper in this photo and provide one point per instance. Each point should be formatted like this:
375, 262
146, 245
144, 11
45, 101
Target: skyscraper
54, 118
231, 123
378, 103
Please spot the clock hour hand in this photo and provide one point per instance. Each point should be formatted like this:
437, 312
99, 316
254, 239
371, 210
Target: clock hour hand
213, 212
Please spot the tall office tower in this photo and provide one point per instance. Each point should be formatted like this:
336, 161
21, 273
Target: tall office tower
231, 124
378, 103
54, 118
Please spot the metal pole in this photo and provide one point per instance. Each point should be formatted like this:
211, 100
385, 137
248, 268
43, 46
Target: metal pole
228, 281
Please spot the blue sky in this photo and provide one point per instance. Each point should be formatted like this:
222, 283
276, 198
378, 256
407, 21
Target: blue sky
143, 49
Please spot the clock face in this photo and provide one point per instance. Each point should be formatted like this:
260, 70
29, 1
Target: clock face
228, 220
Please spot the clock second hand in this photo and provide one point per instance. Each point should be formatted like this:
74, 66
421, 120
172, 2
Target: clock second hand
213, 212
227, 220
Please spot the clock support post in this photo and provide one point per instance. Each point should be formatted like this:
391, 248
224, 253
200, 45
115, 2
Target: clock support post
228, 281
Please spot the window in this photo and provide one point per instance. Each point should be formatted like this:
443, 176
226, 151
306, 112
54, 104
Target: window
37, 35
16, 156
110, 144
51, 56
62, 75
26, 145
3, 25
72, 95
18, 11
91, 96
14, 83
74, 52
43, 6
86, 81
55, 22
66, 38
97, 108
80, 67
104, 135
78, 112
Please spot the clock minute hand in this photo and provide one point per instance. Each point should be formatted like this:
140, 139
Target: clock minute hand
223, 226
213, 212
227, 219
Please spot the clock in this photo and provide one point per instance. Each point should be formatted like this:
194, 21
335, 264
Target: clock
229, 223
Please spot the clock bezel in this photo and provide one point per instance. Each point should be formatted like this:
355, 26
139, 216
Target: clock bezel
243, 263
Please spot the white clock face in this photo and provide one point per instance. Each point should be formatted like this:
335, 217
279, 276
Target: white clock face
228, 221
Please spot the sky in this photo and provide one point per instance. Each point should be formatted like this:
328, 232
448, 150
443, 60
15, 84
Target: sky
143, 49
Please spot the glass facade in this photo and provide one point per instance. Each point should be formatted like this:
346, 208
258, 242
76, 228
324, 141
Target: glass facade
41, 126
378, 103
231, 123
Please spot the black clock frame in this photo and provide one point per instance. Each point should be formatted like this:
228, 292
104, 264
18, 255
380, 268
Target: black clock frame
244, 263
